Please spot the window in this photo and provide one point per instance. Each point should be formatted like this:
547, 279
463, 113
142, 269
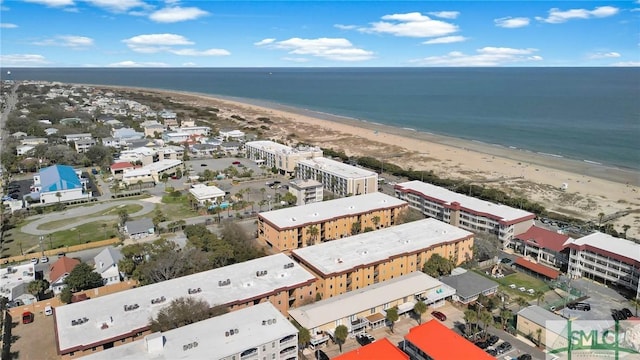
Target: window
372, 311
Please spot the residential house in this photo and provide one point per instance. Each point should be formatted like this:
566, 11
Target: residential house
50, 131
24, 149
118, 169
153, 129
58, 272
76, 137
83, 145
469, 286
151, 173
231, 134
59, 183
206, 195
19, 134
15, 280
138, 229
33, 141
126, 134
230, 147
113, 142
175, 137
106, 264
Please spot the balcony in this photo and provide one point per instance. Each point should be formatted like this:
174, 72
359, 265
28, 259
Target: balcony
359, 324
319, 338
288, 351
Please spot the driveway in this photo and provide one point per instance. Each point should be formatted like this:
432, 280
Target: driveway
32, 227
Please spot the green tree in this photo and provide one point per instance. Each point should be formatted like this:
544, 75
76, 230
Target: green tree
600, 218
522, 302
66, 295
340, 335
184, 311
375, 220
82, 277
165, 178
539, 295
123, 215
37, 288
304, 337
486, 318
505, 317
407, 216
392, 317
539, 336
289, 198
99, 155
437, 266
356, 227
470, 319
420, 308
313, 232
140, 185
625, 228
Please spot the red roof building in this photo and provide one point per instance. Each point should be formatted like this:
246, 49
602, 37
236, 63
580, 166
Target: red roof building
438, 342
538, 268
543, 246
59, 270
379, 349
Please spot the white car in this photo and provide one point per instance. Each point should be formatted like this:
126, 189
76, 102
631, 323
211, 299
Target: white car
34, 261
44, 259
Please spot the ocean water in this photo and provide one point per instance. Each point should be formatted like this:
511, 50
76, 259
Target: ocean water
587, 114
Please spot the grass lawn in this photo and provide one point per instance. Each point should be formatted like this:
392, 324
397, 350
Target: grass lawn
520, 280
177, 208
130, 208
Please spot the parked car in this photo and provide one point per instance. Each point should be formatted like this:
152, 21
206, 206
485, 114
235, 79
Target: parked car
364, 339
236, 163
34, 261
94, 171
627, 312
506, 261
524, 357
618, 315
579, 306
320, 355
503, 348
48, 310
482, 344
493, 339
492, 352
44, 259
27, 317
438, 315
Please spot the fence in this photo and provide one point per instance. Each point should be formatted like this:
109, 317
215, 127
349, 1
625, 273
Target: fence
64, 249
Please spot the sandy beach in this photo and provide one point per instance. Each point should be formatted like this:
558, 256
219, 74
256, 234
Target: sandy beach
592, 188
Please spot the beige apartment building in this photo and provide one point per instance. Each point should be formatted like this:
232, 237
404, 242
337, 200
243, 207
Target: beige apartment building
283, 157
369, 258
464, 211
337, 177
300, 226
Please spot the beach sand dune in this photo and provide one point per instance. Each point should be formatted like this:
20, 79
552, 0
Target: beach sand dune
592, 188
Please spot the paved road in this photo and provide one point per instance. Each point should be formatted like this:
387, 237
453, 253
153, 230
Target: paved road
32, 227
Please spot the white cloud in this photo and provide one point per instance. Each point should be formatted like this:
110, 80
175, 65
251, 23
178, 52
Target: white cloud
604, 55
177, 14
194, 52
511, 22
339, 49
117, 5
189, 64
52, 3
295, 59
411, 25
557, 16
264, 42
446, 40
627, 63
67, 41
345, 27
22, 60
8, 26
129, 63
152, 43
445, 14
487, 56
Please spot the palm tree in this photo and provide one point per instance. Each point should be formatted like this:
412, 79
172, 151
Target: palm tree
312, 231
470, 318
341, 334
505, 316
539, 295
20, 245
392, 316
165, 178
355, 227
304, 337
58, 195
600, 217
485, 318
539, 336
521, 302
420, 308
625, 228
375, 220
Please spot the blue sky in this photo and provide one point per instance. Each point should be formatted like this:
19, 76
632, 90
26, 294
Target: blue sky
130, 33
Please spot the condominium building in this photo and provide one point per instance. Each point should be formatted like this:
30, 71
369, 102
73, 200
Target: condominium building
365, 259
258, 332
434, 341
306, 191
464, 211
337, 177
296, 227
365, 308
151, 173
606, 259
112, 320
59, 183
282, 157
542, 245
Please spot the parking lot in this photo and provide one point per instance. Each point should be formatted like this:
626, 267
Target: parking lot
34, 341
601, 298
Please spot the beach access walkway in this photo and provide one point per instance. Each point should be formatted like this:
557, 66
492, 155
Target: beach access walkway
148, 205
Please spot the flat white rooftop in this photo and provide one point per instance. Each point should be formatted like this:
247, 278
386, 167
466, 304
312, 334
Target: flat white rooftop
322, 211
301, 184
13, 276
606, 242
109, 309
337, 168
344, 254
210, 336
202, 191
353, 302
503, 212
274, 147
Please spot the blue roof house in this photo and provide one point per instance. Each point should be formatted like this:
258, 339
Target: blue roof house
59, 183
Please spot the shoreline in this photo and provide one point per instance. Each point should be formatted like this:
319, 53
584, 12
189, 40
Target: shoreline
584, 167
